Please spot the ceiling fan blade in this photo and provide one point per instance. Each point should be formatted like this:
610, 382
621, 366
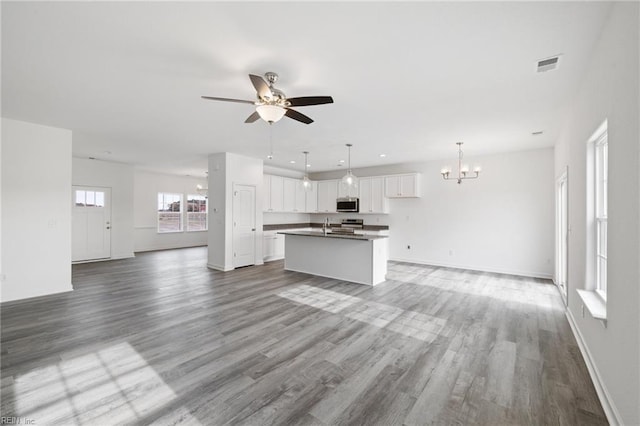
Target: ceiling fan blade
261, 87
253, 117
213, 98
310, 100
298, 116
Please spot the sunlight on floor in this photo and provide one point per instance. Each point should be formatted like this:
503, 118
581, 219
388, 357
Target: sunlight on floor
502, 288
112, 386
409, 323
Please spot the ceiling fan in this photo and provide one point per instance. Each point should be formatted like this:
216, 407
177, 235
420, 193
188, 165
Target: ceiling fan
272, 104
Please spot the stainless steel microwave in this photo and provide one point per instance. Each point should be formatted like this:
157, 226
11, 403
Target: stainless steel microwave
351, 205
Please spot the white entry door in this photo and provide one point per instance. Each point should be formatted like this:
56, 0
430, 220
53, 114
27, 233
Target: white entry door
244, 225
91, 223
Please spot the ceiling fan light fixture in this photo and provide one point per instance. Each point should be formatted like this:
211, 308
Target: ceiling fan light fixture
270, 113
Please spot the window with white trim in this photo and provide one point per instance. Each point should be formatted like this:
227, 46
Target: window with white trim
169, 212
601, 170
196, 213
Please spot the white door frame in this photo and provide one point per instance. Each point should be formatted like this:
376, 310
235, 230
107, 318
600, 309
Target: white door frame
562, 234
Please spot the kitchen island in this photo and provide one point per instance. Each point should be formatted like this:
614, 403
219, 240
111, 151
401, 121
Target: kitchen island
357, 258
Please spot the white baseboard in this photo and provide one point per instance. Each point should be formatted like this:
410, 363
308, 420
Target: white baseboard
603, 395
20, 299
218, 267
106, 259
169, 247
543, 275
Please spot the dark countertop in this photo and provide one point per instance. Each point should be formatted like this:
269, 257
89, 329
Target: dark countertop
334, 235
317, 225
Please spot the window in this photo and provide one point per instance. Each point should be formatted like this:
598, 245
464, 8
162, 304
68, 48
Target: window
89, 198
196, 213
169, 212
600, 212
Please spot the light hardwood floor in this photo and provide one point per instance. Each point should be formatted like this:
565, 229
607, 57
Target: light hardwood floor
161, 339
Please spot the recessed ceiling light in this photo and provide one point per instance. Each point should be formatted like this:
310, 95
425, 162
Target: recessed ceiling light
269, 157
539, 132
341, 161
383, 155
308, 165
292, 162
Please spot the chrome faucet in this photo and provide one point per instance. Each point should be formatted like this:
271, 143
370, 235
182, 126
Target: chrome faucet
326, 225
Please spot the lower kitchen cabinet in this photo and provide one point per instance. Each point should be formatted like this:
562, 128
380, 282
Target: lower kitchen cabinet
273, 246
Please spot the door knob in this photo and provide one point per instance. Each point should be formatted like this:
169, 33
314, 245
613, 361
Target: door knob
108, 227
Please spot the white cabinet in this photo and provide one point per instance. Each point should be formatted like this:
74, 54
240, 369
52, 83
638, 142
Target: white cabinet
288, 194
311, 200
294, 196
327, 195
300, 204
402, 186
272, 246
372, 199
273, 193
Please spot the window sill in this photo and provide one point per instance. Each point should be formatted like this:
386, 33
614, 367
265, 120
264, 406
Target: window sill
596, 306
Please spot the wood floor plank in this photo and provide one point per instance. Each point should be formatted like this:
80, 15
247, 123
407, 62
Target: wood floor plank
160, 339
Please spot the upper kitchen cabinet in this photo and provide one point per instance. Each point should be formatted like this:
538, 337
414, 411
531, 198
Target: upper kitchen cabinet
294, 197
372, 199
311, 205
273, 194
327, 195
402, 186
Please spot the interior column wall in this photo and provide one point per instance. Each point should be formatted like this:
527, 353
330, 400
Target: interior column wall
36, 210
225, 169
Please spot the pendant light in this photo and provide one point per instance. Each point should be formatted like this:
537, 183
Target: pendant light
463, 169
349, 181
306, 183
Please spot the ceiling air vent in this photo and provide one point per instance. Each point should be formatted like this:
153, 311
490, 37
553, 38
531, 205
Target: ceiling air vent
548, 64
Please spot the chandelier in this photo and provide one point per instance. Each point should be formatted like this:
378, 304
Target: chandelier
463, 169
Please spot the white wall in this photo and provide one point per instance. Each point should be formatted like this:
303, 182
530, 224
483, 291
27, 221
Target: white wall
225, 169
118, 177
609, 91
501, 222
145, 207
36, 210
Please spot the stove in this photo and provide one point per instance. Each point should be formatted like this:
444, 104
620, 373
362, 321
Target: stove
348, 226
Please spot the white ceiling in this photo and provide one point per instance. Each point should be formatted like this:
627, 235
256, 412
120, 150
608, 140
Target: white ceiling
408, 79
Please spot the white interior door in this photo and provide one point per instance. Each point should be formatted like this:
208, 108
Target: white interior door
91, 223
244, 225
562, 234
